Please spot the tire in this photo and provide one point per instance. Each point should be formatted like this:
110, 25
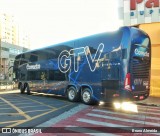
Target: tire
27, 89
22, 88
72, 94
86, 96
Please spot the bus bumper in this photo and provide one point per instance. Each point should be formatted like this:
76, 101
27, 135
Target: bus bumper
134, 96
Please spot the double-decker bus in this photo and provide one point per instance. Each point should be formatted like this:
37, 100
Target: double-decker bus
102, 67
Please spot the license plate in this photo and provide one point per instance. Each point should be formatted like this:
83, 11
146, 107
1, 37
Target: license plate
141, 97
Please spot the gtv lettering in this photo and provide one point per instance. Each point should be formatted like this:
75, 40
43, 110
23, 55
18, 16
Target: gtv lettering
65, 61
137, 81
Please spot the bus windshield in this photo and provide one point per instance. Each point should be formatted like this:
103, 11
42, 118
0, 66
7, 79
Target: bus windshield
140, 66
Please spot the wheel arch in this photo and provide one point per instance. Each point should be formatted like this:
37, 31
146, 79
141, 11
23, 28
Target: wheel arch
68, 86
83, 86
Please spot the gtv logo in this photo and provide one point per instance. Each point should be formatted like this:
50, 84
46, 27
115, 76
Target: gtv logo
65, 61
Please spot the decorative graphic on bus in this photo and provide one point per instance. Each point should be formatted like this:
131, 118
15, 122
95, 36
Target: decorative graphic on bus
142, 49
33, 67
65, 61
141, 53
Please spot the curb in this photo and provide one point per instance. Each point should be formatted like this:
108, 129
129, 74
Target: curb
150, 104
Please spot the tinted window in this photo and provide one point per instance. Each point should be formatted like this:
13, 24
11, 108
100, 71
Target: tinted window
113, 55
51, 75
59, 76
33, 58
23, 62
37, 75
31, 75
111, 41
56, 75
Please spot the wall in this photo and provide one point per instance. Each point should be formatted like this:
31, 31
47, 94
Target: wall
134, 12
153, 30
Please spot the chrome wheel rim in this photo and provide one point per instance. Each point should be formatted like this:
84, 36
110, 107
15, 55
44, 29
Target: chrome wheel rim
86, 97
71, 94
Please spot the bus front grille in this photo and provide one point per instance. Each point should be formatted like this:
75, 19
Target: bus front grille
140, 69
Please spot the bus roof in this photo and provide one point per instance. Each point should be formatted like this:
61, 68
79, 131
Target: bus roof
30, 51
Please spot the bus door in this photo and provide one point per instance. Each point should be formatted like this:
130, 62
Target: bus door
110, 78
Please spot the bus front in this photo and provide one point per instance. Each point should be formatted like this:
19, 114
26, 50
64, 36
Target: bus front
137, 79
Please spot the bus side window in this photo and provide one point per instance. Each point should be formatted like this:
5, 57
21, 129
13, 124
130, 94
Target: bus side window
31, 75
51, 75
59, 76
33, 58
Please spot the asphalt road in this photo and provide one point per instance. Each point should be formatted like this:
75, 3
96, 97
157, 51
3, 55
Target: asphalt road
49, 111
22, 110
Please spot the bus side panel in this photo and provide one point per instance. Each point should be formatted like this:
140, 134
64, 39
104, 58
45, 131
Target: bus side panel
101, 82
89, 74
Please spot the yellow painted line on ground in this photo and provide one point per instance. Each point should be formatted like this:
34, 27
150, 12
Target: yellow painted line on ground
23, 121
17, 100
38, 102
10, 121
37, 110
23, 107
10, 114
17, 104
16, 108
20, 122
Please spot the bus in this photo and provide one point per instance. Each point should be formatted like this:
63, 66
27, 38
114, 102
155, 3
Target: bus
102, 67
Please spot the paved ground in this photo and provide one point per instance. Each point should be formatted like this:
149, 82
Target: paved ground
150, 101
57, 116
106, 121
21, 110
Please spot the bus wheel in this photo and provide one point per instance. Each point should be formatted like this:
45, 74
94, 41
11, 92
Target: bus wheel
86, 96
22, 88
72, 94
27, 90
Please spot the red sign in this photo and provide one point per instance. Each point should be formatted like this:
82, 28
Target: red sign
148, 4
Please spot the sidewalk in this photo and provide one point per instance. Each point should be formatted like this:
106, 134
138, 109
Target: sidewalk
151, 101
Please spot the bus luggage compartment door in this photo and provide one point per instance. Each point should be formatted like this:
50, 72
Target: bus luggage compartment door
110, 78
109, 88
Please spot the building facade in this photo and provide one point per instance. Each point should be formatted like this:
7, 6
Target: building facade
13, 41
145, 14
134, 12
